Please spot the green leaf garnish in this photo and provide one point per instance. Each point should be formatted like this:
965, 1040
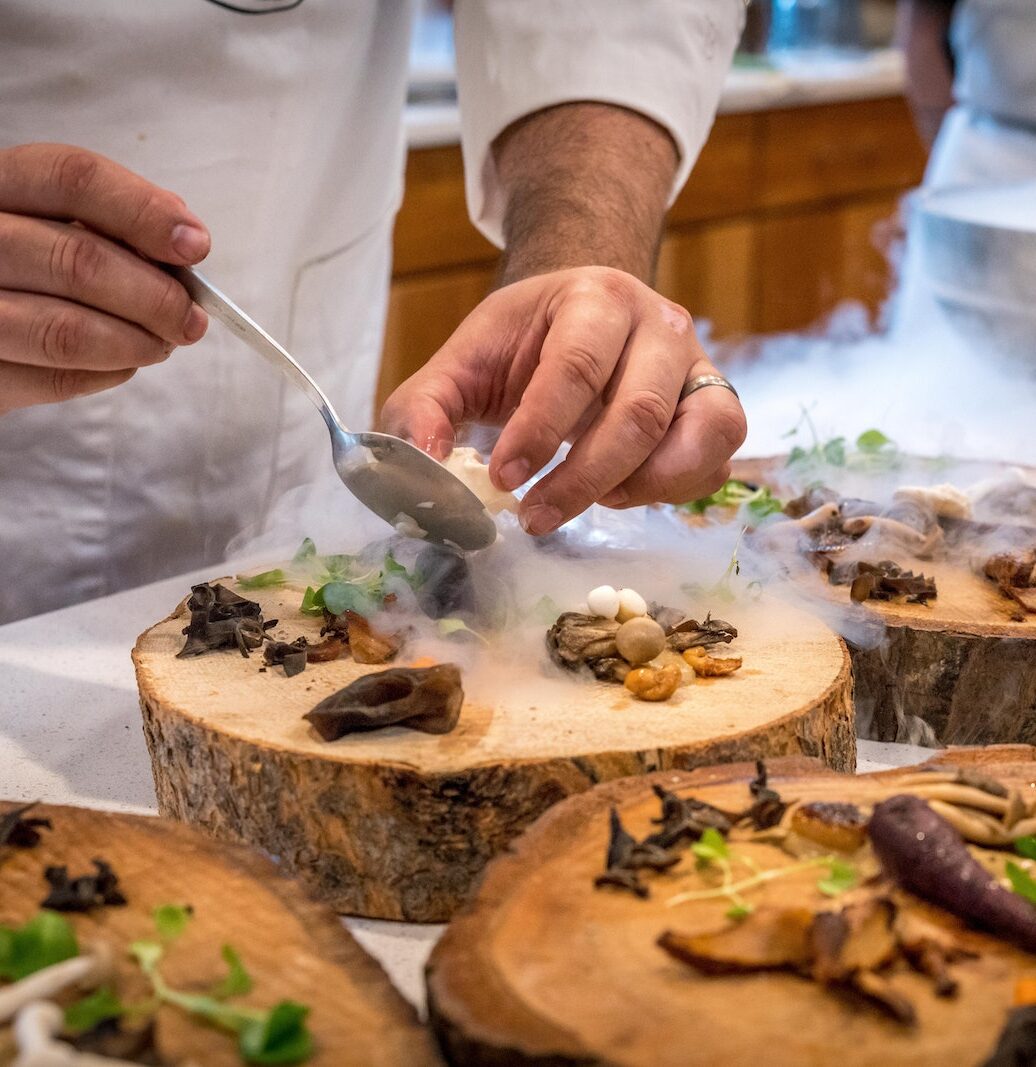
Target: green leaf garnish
448, 627
1022, 882
306, 551
93, 1009
712, 846
339, 597
1026, 846
312, 602
872, 441
238, 981
46, 939
279, 1037
171, 920
265, 580
841, 878
757, 502
148, 954
740, 911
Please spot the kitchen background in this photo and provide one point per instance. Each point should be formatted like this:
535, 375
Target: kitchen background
792, 208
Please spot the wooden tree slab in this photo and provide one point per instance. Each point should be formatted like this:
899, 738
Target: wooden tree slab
542, 968
958, 671
398, 824
294, 948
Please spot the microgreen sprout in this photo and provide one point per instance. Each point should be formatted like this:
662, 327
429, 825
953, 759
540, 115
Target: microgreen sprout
714, 854
275, 1036
754, 502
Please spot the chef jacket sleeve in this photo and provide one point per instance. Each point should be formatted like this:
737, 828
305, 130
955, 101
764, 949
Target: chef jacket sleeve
666, 59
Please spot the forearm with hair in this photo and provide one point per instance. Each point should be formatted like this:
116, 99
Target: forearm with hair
585, 184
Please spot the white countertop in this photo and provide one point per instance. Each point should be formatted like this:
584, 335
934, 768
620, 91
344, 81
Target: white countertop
70, 731
780, 83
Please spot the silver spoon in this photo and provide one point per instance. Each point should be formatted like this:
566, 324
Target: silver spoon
397, 481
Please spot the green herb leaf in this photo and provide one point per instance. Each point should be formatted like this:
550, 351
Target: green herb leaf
1022, 882
448, 627
266, 580
44, 940
347, 596
872, 441
833, 451
740, 911
171, 920
306, 551
148, 954
840, 878
238, 981
1026, 846
796, 455
312, 602
712, 846
93, 1010
280, 1037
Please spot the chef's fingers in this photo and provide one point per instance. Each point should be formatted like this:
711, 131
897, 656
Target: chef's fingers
585, 340
72, 262
421, 419
47, 332
635, 418
692, 460
22, 386
63, 182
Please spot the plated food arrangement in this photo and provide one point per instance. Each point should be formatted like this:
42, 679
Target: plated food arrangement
778, 914
941, 552
128, 940
361, 718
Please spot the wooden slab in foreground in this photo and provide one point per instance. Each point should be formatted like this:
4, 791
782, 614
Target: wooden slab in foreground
294, 948
960, 670
542, 968
398, 824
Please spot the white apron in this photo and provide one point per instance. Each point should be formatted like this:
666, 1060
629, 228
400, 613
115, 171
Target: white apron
989, 137
283, 131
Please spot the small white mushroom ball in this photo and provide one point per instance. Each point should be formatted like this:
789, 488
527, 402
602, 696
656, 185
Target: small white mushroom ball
631, 605
603, 601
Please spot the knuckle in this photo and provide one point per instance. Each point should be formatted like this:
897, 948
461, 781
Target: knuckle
168, 302
73, 171
730, 425
647, 416
76, 260
64, 383
60, 337
582, 369
606, 284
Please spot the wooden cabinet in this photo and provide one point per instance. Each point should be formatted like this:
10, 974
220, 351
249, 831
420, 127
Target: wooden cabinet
787, 213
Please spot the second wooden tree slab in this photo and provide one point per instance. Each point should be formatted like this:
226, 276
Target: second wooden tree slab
960, 670
544, 968
293, 948
398, 824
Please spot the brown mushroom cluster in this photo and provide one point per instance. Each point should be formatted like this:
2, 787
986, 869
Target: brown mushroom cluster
1015, 575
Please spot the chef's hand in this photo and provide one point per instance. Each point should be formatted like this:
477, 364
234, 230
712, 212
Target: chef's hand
590, 355
80, 309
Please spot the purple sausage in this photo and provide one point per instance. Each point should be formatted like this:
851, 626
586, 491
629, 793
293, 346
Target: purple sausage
924, 854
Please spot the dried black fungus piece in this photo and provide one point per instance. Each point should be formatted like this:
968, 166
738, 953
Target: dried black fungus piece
1017, 1044
882, 581
925, 855
291, 656
17, 830
685, 819
767, 808
421, 698
627, 856
222, 619
85, 892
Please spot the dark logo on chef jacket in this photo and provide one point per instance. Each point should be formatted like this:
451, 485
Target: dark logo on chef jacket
256, 7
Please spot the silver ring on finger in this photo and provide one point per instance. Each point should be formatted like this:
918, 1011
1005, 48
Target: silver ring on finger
702, 381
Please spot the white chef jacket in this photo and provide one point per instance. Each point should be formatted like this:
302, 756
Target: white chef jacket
281, 126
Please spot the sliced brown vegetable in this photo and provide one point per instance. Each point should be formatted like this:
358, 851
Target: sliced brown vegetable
835, 826
710, 666
421, 698
366, 644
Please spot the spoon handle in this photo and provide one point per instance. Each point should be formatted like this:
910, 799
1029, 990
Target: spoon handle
221, 307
